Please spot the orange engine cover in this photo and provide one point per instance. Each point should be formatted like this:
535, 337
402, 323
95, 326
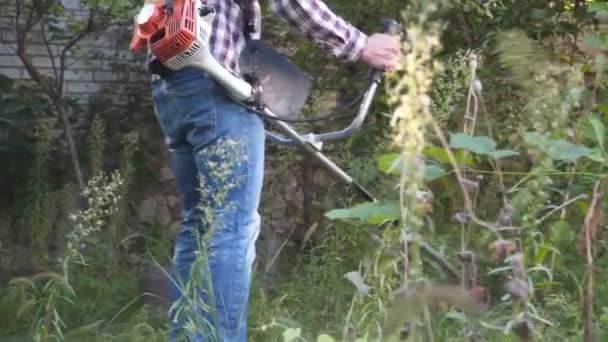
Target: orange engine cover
166, 36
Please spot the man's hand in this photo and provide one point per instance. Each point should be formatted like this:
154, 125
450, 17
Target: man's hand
382, 51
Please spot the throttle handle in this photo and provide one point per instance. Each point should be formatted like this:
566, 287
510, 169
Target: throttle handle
390, 27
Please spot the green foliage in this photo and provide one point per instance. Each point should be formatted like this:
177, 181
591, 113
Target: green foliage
36, 235
557, 149
39, 210
448, 93
481, 145
478, 20
366, 271
390, 163
96, 144
372, 213
534, 272
42, 295
120, 221
23, 112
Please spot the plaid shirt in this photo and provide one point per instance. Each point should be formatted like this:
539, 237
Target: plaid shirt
311, 17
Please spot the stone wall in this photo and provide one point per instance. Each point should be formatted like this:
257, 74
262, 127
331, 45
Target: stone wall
103, 60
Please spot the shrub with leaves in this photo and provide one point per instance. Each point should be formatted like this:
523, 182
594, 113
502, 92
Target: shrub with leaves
43, 293
513, 203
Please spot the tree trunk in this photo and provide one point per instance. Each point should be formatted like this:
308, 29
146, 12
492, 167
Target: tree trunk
63, 114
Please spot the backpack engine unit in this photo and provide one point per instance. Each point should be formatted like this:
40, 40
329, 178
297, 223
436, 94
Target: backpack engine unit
182, 40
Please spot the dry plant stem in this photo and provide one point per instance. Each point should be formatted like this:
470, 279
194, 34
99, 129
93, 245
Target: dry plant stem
470, 121
496, 165
468, 270
406, 248
349, 316
567, 195
451, 270
467, 199
435, 256
463, 228
528, 176
501, 179
429, 328
588, 305
471, 98
560, 207
484, 111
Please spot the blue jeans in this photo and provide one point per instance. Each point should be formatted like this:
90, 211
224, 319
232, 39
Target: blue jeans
217, 149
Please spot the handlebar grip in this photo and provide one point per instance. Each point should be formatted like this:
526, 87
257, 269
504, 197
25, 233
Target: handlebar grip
390, 27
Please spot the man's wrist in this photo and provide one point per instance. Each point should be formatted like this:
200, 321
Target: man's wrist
354, 49
363, 54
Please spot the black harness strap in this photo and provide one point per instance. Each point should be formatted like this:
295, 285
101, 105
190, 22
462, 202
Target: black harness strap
246, 7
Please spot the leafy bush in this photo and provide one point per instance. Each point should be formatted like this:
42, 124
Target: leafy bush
517, 212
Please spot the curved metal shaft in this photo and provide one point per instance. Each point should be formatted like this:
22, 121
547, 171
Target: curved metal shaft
316, 153
353, 128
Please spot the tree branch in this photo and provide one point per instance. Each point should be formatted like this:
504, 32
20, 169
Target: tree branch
22, 45
47, 44
89, 26
52, 89
17, 14
64, 116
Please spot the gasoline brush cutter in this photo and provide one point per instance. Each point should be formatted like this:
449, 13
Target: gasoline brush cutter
177, 34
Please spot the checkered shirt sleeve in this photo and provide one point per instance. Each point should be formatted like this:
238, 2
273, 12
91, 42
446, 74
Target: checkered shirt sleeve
321, 25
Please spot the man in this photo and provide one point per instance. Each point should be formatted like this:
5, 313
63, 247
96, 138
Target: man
217, 149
